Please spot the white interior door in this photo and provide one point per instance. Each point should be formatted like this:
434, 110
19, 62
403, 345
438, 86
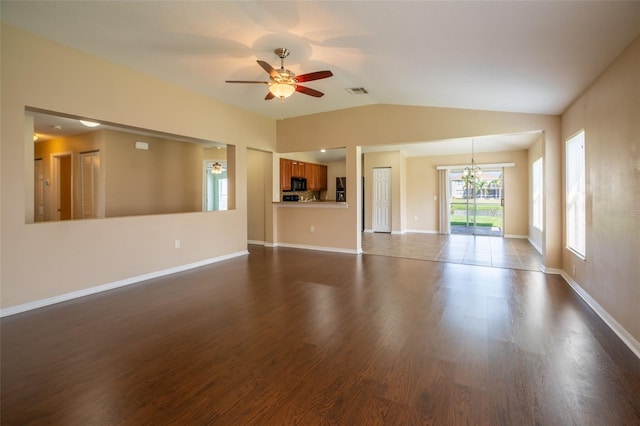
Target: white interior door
382, 199
89, 181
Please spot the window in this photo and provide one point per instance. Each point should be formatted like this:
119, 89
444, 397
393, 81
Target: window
575, 195
222, 194
537, 194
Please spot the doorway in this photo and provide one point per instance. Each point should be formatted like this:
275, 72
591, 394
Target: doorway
215, 186
62, 186
477, 201
382, 199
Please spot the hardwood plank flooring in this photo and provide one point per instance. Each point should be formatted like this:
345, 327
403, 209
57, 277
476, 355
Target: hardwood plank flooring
287, 336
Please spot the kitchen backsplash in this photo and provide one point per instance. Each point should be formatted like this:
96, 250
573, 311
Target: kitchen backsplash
304, 195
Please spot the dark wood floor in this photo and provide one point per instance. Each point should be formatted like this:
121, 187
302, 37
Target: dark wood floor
287, 336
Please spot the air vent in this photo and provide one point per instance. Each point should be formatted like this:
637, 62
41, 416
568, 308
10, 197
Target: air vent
357, 91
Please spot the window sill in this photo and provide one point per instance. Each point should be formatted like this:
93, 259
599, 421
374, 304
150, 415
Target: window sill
577, 253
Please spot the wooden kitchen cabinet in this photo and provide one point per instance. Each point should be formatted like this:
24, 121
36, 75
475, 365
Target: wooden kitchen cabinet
313, 183
316, 174
322, 177
297, 169
285, 174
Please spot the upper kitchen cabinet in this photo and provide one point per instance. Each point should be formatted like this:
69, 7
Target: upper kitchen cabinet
285, 174
298, 168
322, 177
312, 177
316, 175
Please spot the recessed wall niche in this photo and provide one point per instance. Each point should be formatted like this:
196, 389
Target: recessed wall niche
114, 170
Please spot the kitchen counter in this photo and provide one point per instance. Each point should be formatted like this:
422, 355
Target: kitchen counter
312, 204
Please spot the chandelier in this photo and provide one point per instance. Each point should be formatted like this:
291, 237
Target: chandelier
473, 171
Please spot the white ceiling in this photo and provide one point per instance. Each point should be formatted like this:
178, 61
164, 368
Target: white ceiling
520, 56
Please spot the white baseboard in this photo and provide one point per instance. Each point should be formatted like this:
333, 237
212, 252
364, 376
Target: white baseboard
256, 242
554, 271
614, 325
526, 237
369, 231
318, 248
12, 310
421, 231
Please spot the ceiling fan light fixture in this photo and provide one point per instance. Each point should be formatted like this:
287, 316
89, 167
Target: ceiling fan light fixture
217, 169
281, 90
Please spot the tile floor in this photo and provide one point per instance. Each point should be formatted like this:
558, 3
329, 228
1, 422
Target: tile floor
513, 253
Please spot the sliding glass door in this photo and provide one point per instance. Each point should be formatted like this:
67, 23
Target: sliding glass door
476, 203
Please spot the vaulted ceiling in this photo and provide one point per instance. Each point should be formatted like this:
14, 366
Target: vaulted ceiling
517, 56
520, 56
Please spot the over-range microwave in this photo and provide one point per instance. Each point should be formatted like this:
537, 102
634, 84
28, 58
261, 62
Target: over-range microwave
298, 184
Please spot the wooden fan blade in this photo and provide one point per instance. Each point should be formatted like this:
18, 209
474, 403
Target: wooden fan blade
313, 76
269, 96
244, 81
268, 68
309, 91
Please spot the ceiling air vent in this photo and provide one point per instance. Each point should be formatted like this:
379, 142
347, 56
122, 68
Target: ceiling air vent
357, 91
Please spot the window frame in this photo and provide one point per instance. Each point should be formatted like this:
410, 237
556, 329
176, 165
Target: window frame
537, 194
575, 194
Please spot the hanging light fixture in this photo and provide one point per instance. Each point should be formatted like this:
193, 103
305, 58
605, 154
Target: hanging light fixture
472, 171
281, 90
217, 168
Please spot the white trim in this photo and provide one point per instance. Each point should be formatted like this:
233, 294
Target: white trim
12, 310
486, 166
554, 271
421, 231
534, 244
368, 231
526, 237
267, 244
256, 242
394, 232
614, 325
318, 248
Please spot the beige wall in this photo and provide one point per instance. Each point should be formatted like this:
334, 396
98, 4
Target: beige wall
609, 112
43, 260
258, 194
166, 178
422, 187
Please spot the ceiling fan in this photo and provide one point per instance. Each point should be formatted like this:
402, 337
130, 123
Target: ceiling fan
283, 82
216, 168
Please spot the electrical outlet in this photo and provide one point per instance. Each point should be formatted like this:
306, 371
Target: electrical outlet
415, 218
177, 244
312, 228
